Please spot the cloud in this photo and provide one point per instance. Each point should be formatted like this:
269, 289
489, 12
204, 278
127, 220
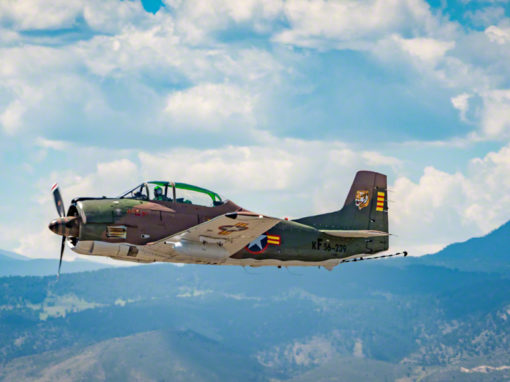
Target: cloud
210, 106
486, 16
37, 14
112, 17
216, 93
43, 244
110, 178
104, 16
461, 103
441, 208
495, 118
10, 118
50, 144
157, 51
125, 81
140, 72
426, 49
197, 20
323, 24
498, 35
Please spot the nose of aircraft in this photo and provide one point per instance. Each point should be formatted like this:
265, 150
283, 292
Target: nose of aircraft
65, 226
55, 226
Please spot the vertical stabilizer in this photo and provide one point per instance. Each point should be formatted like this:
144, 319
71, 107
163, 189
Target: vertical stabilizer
365, 208
366, 205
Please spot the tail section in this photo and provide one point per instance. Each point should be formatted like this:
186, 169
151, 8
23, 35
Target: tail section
365, 208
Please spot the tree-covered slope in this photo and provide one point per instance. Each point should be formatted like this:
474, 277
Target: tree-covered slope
389, 318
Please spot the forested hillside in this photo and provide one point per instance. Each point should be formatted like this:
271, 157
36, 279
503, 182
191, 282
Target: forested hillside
378, 320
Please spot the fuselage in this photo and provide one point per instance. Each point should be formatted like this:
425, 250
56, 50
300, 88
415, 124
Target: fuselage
124, 229
182, 223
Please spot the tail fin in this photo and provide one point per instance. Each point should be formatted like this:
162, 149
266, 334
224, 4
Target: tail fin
365, 208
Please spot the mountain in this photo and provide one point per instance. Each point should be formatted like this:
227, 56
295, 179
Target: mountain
391, 319
490, 253
183, 355
13, 264
11, 255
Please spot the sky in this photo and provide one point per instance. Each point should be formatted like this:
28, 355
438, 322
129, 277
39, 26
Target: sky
274, 104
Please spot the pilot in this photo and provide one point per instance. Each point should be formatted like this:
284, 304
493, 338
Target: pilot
158, 193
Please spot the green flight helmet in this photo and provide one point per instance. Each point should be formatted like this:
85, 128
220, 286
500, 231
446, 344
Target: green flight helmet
158, 192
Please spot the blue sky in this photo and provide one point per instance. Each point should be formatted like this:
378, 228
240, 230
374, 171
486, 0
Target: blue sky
274, 104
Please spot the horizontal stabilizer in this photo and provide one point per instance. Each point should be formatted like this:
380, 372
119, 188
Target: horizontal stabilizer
360, 233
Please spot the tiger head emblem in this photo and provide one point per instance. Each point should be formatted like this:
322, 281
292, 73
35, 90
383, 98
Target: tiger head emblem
362, 199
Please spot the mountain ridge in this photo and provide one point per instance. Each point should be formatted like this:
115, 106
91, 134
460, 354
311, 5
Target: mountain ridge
388, 319
473, 254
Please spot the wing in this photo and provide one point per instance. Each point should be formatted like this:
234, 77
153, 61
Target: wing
217, 238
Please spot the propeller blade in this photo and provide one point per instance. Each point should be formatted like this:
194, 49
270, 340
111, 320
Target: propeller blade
59, 203
62, 247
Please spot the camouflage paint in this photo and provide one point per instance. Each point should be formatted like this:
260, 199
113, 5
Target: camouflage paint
298, 242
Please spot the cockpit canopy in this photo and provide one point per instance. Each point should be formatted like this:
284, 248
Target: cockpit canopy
174, 192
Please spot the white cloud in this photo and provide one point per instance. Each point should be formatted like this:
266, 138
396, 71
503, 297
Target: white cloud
486, 16
498, 35
319, 23
461, 103
374, 158
124, 79
210, 106
110, 178
495, 119
442, 208
105, 16
426, 49
239, 169
197, 20
158, 51
489, 190
8, 36
101, 80
39, 14
43, 244
50, 144
11, 117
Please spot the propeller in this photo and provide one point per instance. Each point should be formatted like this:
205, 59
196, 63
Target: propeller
58, 200
62, 247
59, 203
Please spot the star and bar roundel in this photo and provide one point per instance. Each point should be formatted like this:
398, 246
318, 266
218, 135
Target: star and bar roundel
261, 243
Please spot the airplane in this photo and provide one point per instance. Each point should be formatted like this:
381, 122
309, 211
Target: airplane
160, 221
